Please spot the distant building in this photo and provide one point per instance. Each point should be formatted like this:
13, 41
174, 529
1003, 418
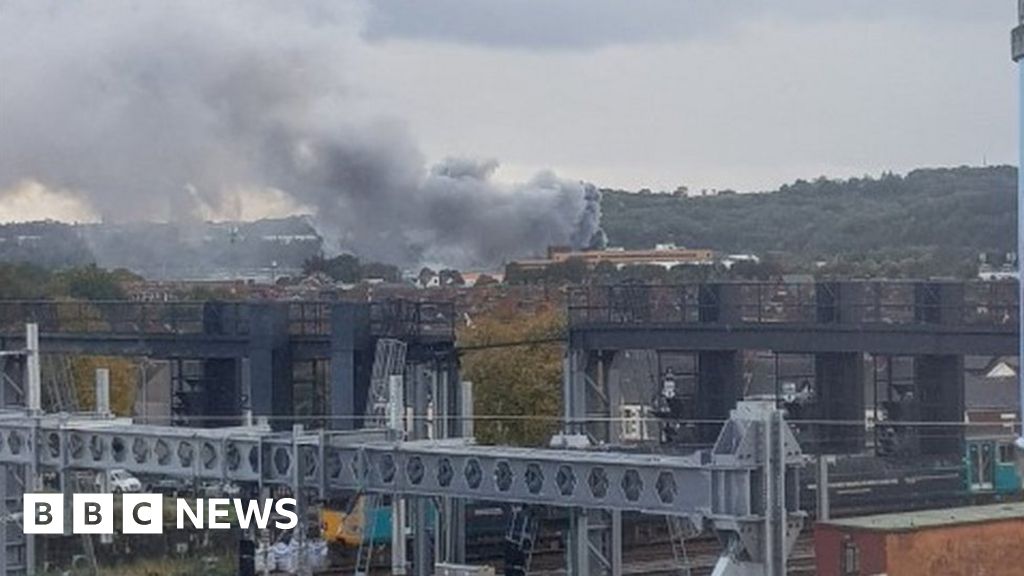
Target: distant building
666, 255
995, 274
471, 277
991, 394
731, 259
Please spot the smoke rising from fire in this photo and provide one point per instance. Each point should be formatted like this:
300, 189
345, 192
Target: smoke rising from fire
164, 110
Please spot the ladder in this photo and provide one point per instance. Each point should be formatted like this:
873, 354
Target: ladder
367, 504
679, 530
520, 540
59, 385
388, 361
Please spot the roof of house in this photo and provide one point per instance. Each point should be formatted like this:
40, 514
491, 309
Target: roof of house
925, 519
991, 384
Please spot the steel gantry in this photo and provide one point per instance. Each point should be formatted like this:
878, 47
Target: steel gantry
744, 488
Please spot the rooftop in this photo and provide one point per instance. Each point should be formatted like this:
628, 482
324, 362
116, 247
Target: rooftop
923, 519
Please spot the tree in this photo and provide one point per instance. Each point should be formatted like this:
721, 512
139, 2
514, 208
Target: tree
124, 374
342, 268
605, 272
485, 280
23, 282
572, 271
386, 272
517, 388
426, 275
450, 277
90, 283
933, 221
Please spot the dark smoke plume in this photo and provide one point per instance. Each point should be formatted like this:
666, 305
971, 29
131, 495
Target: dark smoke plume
162, 110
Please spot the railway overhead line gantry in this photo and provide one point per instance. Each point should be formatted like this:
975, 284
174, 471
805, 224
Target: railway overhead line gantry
744, 488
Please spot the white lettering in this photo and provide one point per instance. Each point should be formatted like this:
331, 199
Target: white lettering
184, 510
252, 511
218, 508
293, 521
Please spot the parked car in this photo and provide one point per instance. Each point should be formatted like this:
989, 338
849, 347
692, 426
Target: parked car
118, 480
170, 486
221, 489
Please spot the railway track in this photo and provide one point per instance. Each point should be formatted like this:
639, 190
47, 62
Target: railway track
657, 559
651, 559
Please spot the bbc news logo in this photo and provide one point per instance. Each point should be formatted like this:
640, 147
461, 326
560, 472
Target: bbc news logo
144, 513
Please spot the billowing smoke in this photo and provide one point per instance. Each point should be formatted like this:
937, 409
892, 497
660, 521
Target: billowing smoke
176, 110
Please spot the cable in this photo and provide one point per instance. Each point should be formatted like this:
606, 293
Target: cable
511, 344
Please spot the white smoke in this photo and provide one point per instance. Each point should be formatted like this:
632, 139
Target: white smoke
169, 110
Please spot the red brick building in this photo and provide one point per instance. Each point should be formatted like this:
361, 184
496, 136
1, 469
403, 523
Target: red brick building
970, 541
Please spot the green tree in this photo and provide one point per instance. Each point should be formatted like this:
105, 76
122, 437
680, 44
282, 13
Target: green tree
485, 280
450, 277
24, 282
91, 283
929, 222
517, 388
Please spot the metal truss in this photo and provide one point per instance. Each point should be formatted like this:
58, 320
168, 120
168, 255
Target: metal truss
725, 488
365, 461
745, 488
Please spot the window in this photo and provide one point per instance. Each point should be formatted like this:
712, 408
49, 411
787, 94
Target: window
634, 422
1006, 455
850, 559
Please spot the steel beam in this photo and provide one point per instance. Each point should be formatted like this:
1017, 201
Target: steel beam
799, 338
739, 487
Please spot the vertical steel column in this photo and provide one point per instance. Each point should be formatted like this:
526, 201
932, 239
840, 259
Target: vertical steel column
33, 399
422, 565
775, 517
396, 419
823, 497
616, 543
5, 529
574, 392
299, 543
455, 508
578, 546
1017, 43
245, 379
33, 385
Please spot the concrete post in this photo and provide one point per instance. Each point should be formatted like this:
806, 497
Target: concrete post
103, 392
33, 382
823, 498
466, 403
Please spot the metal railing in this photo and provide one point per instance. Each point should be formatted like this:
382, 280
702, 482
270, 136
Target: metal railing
124, 317
406, 319
850, 302
310, 318
388, 319
393, 318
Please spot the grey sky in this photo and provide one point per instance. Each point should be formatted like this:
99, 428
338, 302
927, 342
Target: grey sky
587, 24
713, 94
624, 93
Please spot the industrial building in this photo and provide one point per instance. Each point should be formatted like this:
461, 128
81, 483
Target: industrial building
664, 255
952, 542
